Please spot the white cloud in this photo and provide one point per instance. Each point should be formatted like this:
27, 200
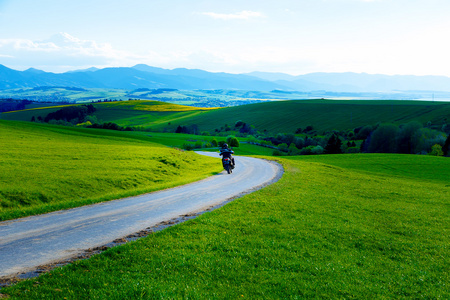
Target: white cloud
243, 15
62, 52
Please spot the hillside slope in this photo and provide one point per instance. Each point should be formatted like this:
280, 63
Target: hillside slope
273, 117
287, 116
46, 168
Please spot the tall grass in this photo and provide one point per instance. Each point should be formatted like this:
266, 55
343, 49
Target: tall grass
355, 231
45, 168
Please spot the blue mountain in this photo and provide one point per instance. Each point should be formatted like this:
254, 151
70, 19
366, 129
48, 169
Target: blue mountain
144, 76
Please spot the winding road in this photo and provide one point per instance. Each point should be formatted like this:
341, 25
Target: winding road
27, 243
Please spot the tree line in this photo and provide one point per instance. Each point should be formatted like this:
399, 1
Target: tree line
13, 104
409, 138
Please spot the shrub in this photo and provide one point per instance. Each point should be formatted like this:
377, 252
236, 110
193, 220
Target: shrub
426, 138
214, 142
85, 124
352, 150
363, 132
293, 150
299, 142
383, 139
306, 150
232, 141
277, 153
188, 147
436, 150
283, 147
317, 150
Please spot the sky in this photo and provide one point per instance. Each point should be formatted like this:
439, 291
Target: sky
393, 37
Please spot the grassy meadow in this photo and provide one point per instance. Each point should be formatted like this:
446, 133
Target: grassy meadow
372, 226
324, 115
124, 113
273, 117
47, 168
348, 226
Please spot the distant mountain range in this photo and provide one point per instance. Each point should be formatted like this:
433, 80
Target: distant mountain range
143, 76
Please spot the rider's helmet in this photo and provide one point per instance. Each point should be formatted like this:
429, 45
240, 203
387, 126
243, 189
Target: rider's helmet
225, 145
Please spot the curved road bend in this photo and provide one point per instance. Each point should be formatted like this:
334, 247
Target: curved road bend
30, 242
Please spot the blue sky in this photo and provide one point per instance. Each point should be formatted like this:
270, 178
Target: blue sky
295, 37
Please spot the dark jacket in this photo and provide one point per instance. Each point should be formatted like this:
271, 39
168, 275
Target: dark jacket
225, 152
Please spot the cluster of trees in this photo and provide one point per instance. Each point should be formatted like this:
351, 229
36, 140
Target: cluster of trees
409, 138
112, 126
81, 116
290, 144
241, 128
191, 129
70, 114
13, 104
231, 140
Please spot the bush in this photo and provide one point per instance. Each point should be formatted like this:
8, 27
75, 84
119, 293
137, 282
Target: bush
306, 150
293, 150
283, 147
383, 139
317, 150
85, 124
277, 153
364, 132
352, 150
426, 138
436, 150
188, 147
214, 142
232, 141
299, 142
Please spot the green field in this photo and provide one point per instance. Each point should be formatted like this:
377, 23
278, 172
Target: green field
46, 168
372, 226
274, 117
348, 226
123, 113
323, 115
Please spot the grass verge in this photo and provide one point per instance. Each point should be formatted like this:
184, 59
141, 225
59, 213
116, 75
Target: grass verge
47, 168
322, 231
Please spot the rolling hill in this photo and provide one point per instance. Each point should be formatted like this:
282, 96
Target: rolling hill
273, 117
323, 115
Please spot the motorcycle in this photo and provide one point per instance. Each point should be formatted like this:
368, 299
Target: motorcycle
227, 165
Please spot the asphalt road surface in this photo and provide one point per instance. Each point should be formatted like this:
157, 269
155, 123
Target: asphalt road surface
30, 242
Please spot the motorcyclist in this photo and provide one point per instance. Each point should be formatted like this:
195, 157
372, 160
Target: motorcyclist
226, 152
